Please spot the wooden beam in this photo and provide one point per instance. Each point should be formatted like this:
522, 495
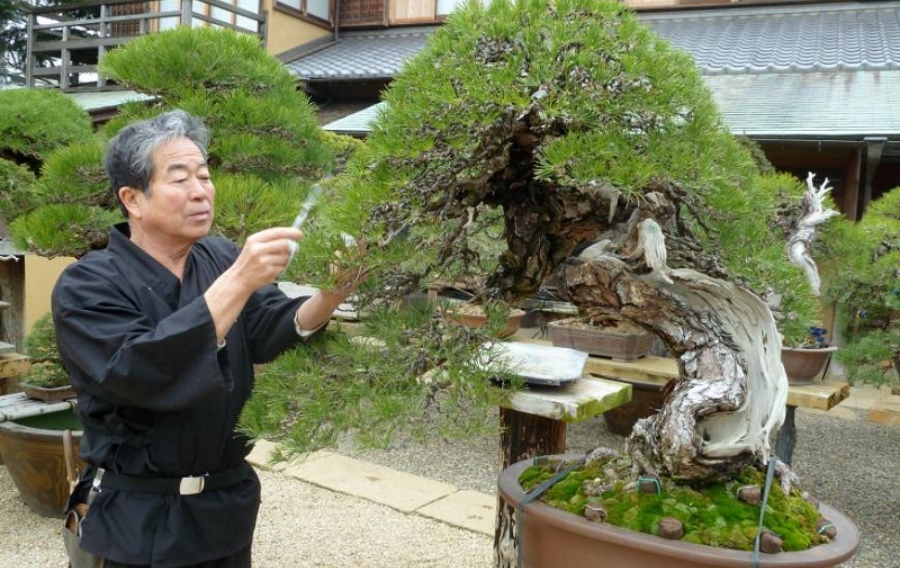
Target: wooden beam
886, 410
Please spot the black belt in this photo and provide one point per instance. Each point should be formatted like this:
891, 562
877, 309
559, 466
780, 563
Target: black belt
190, 485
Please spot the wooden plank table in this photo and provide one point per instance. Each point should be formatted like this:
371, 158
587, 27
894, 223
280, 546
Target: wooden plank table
886, 410
17, 406
533, 423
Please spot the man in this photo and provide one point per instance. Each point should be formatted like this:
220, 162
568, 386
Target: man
160, 332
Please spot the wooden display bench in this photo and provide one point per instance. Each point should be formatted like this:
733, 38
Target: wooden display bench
12, 366
534, 423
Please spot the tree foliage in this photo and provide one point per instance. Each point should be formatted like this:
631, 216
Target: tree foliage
864, 281
266, 144
516, 104
33, 122
260, 123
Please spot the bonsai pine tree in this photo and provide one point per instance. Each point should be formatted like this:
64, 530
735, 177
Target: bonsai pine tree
34, 123
865, 284
541, 143
266, 145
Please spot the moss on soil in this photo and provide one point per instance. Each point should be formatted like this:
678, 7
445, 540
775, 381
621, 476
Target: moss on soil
711, 514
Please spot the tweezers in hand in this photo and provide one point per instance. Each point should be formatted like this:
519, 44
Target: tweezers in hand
314, 194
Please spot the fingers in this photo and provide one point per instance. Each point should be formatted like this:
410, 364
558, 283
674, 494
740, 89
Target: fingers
266, 254
275, 234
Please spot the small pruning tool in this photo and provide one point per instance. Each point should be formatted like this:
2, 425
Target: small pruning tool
314, 194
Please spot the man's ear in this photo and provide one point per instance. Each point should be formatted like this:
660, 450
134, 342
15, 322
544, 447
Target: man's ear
129, 198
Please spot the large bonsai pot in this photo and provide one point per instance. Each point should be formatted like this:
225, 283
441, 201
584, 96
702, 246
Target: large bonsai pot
552, 538
32, 450
804, 365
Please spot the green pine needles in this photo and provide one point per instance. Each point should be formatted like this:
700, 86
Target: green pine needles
400, 371
865, 283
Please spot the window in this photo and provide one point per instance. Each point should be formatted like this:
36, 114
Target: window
318, 9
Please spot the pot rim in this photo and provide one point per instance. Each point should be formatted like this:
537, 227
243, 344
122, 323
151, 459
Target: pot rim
810, 350
823, 555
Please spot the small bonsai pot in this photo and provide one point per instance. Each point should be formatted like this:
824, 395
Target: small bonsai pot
620, 343
473, 316
48, 394
804, 365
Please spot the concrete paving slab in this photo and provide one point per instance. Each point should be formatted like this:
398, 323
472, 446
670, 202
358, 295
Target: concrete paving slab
465, 509
396, 489
263, 450
886, 410
864, 396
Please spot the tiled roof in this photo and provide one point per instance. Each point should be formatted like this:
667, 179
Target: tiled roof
362, 55
823, 37
846, 36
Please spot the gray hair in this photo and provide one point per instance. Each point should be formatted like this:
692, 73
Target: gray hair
129, 155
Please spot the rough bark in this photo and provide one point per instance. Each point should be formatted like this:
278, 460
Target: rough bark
731, 394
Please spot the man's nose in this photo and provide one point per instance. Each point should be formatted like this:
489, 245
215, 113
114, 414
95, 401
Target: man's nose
197, 190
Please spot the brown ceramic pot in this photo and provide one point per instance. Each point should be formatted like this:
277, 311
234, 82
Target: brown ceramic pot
552, 538
48, 394
32, 450
803, 365
476, 319
615, 344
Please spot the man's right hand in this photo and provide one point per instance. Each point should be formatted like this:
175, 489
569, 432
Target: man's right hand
264, 257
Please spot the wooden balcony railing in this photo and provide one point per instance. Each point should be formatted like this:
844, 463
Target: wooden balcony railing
66, 42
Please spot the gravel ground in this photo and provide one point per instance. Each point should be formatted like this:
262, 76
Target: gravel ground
300, 526
844, 460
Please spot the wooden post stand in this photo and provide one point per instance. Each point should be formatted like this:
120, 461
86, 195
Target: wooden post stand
534, 424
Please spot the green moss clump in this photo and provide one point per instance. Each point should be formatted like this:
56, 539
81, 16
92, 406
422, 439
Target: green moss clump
712, 515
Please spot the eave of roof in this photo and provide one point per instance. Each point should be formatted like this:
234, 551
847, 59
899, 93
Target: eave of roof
94, 101
823, 105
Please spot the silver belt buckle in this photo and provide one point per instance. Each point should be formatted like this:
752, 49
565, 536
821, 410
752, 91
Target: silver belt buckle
192, 485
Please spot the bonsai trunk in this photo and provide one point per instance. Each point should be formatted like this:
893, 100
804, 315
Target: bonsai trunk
731, 394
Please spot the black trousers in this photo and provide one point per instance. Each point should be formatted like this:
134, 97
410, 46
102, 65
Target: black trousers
239, 560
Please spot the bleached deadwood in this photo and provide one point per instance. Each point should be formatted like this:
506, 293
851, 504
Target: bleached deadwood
812, 214
731, 395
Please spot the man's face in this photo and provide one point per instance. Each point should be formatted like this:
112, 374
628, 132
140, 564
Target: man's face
179, 209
